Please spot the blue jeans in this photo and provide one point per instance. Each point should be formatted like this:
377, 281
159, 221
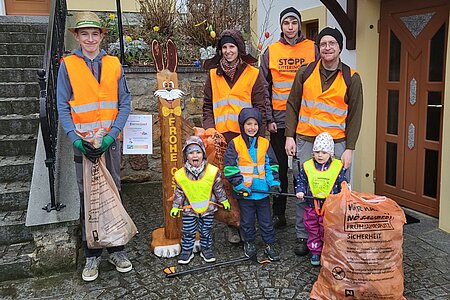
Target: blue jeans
252, 209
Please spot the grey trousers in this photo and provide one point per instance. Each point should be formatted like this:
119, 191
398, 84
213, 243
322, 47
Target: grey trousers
304, 152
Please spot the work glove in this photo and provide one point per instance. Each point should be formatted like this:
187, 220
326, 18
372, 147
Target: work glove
88, 150
174, 212
245, 191
226, 205
79, 145
106, 142
92, 153
275, 189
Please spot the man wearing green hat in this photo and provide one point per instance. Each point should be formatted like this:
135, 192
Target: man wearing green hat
93, 97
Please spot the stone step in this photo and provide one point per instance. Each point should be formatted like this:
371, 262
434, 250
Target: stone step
19, 89
14, 195
19, 106
16, 48
23, 27
15, 261
18, 75
12, 227
16, 168
18, 61
22, 37
19, 124
17, 144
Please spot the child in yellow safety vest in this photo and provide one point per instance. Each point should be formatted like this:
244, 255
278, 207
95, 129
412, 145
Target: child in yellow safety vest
318, 177
198, 190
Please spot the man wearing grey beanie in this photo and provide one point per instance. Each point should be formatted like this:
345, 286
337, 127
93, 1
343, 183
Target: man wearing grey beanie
326, 96
279, 63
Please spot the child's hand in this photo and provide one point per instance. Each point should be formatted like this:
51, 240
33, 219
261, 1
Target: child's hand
174, 212
300, 195
226, 205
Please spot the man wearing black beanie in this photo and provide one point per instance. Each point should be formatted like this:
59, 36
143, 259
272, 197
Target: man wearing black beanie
279, 63
326, 96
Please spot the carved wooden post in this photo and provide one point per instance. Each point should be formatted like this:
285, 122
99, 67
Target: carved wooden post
166, 241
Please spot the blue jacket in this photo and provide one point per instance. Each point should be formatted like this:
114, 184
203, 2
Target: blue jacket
64, 94
230, 161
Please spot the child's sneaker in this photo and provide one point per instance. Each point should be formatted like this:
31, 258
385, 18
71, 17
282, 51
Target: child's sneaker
208, 255
249, 249
272, 253
90, 271
121, 261
315, 260
185, 257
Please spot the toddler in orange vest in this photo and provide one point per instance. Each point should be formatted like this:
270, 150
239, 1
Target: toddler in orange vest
198, 191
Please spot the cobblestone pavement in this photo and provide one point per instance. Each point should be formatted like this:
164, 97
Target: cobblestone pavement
426, 266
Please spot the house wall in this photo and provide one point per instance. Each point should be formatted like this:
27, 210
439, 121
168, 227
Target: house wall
444, 208
126, 5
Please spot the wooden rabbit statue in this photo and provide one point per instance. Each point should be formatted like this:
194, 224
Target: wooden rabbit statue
166, 241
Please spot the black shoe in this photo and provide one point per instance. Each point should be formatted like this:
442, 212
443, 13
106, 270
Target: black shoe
249, 249
278, 221
272, 253
301, 249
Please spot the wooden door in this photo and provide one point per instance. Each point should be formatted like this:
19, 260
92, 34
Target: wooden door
413, 39
27, 7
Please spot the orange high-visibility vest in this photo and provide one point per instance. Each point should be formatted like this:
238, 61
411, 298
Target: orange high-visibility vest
284, 62
228, 102
198, 192
94, 104
247, 166
323, 111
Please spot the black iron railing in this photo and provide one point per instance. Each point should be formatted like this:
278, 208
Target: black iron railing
48, 114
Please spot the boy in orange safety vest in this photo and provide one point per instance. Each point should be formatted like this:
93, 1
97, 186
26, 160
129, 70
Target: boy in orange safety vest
250, 164
318, 177
198, 190
93, 97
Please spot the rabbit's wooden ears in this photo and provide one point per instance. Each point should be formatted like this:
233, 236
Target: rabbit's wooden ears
171, 61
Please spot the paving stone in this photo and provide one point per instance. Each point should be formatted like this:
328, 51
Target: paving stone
426, 276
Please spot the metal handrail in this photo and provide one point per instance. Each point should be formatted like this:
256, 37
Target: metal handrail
47, 76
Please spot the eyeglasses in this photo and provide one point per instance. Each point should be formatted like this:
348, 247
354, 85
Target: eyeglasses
330, 44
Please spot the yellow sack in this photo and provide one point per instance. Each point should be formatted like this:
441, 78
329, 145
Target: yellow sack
362, 256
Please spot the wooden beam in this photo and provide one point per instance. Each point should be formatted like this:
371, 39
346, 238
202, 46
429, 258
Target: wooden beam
347, 20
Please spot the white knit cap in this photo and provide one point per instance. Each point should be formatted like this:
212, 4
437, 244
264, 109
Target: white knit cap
324, 142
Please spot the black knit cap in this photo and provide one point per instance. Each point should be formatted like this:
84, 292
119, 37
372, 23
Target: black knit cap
290, 12
333, 32
227, 39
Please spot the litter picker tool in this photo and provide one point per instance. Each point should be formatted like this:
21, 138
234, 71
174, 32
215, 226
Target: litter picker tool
172, 271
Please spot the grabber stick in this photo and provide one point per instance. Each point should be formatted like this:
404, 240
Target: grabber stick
245, 194
171, 271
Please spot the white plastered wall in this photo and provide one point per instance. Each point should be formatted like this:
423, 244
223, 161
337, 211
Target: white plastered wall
126, 5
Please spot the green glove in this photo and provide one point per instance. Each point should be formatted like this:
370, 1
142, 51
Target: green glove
106, 142
174, 212
79, 145
226, 205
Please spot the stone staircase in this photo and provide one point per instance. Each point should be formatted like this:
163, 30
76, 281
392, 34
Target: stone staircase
22, 45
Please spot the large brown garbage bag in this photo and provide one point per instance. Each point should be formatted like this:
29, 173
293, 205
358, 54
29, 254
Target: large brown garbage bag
107, 224
362, 255
215, 150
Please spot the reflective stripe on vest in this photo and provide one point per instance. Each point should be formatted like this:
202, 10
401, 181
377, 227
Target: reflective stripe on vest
247, 166
323, 110
321, 182
94, 104
228, 102
284, 62
197, 192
